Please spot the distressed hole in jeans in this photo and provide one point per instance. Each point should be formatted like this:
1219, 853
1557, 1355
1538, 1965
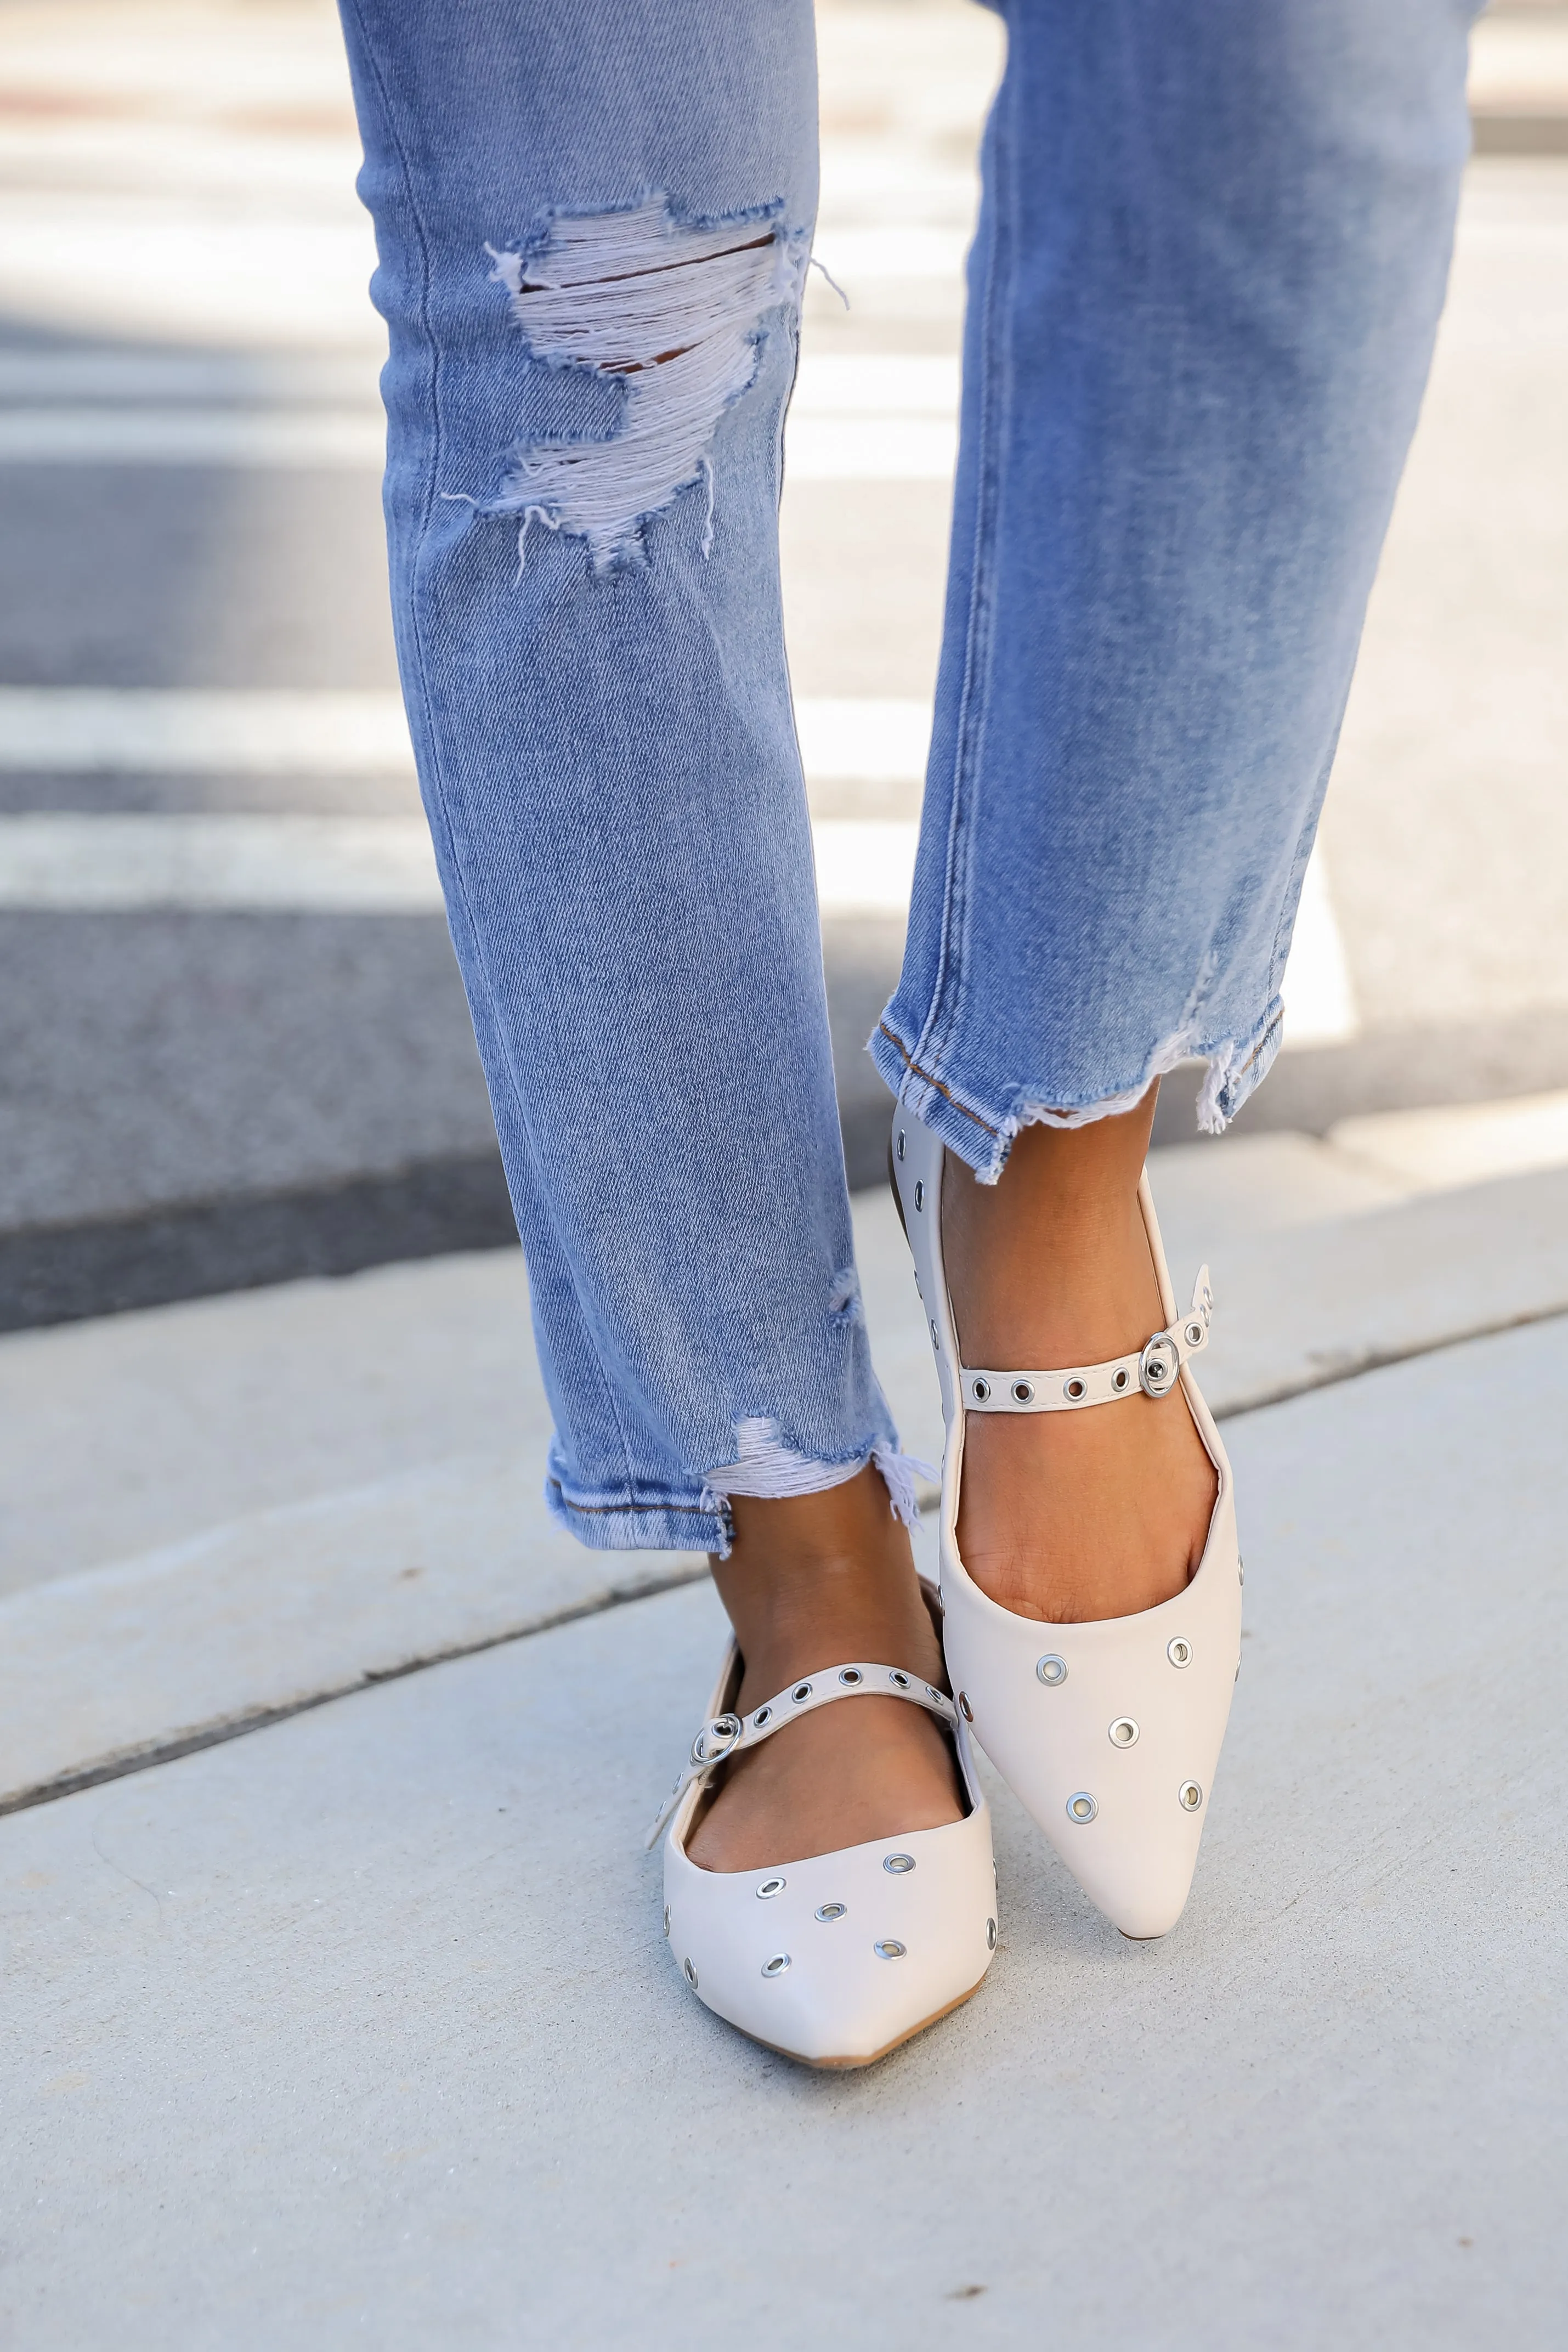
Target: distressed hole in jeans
672, 313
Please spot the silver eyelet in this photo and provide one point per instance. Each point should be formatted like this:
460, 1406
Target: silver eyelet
932, 1692
1119, 1380
935, 1339
717, 1739
1072, 1389
979, 1391
920, 1194
666, 1919
851, 1675
1191, 1796
802, 1691
829, 1912
1241, 1571
1194, 1335
777, 1965
1124, 1732
1082, 1808
901, 1143
1052, 1670
990, 1935
900, 1864
691, 1974
895, 1676
1022, 1393
964, 1709
889, 1948
1179, 1651
764, 1715
769, 1888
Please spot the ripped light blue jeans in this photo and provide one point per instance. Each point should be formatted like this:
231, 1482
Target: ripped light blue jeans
1211, 257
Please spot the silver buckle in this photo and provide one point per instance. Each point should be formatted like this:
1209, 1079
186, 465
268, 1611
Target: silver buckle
717, 1739
1159, 1365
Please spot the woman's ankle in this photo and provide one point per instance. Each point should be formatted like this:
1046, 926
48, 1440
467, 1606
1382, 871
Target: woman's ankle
814, 1579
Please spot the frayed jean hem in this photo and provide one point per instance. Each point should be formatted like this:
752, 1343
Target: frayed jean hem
983, 1136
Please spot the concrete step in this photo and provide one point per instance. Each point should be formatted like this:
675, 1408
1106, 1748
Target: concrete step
224, 1511
373, 2009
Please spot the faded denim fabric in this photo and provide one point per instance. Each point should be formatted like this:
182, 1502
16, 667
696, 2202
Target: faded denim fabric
1211, 258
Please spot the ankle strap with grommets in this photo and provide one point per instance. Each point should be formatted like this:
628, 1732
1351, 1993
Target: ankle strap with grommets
728, 1735
1152, 1371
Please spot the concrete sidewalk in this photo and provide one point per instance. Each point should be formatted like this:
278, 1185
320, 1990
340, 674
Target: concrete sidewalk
362, 2027
358, 2024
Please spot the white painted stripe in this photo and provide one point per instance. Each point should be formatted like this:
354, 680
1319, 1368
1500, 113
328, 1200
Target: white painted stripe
126, 730
864, 865
193, 437
384, 865
870, 449
863, 739
924, 253
308, 864
880, 384
1320, 1002
294, 864
819, 446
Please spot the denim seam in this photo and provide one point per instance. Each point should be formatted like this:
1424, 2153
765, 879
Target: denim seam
431, 470
936, 1084
946, 1006
623, 1510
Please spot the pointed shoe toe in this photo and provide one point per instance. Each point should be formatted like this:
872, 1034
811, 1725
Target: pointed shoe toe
837, 1960
1109, 1732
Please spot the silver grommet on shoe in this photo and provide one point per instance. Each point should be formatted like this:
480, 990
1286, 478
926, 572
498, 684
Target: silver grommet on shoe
851, 1675
764, 1715
1119, 1378
1191, 1796
990, 1935
1194, 1335
979, 1391
717, 1739
895, 1675
777, 1965
1073, 1391
1052, 1669
829, 1912
666, 1919
964, 1709
802, 1691
1179, 1651
691, 1974
900, 1864
1124, 1732
1022, 1393
1082, 1807
769, 1888
920, 1194
901, 1143
888, 1949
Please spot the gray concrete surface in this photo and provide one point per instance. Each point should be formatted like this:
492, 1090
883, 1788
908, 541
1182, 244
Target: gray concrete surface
224, 1511
363, 2026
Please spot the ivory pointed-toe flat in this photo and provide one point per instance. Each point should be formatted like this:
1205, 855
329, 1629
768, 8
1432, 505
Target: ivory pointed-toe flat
1109, 1732
837, 1960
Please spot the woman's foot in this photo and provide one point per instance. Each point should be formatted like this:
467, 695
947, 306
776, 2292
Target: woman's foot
1070, 1516
813, 1581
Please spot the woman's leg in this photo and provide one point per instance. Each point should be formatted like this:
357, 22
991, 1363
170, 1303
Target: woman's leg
592, 226
1211, 258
